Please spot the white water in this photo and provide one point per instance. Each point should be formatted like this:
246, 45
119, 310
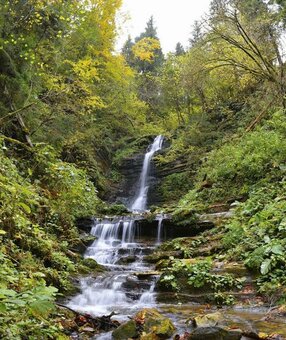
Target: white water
140, 201
119, 247
119, 289
159, 230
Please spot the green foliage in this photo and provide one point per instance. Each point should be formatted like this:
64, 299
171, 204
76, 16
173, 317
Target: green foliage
69, 189
175, 186
257, 234
186, 245
181, 274
26, 303
40, 201
233, 168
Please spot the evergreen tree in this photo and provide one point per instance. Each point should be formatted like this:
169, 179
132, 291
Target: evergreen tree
179, 49
158, 58
127, 51
150, 31
196, 35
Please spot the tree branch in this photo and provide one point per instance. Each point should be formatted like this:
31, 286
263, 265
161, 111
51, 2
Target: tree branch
16, 111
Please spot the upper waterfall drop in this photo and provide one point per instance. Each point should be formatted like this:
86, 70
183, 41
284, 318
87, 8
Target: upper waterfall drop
140, 201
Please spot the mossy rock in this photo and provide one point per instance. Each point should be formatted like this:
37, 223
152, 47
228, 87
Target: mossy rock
89, 265
114, 210
208, 320
148, 324
155, 323
149, 336
126, 331
163, 255
215, 333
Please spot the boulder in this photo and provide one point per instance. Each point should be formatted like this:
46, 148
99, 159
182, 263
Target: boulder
154, 324
148, 324
214, 333
126, 331
163, 255
126, 260
208, 320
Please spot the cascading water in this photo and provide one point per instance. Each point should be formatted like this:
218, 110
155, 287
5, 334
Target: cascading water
140, 201
128, 285
159, 230
119, 247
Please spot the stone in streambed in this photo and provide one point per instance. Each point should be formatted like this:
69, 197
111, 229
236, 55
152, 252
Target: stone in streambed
208, 320
154, 323
148, 324
215, 333
126, 331
126, 260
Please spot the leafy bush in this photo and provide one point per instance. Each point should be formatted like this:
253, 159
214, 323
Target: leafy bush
257, 233
232, 169
39, 205
178, 275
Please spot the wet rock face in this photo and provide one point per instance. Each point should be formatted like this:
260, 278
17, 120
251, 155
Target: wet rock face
130, 171
85, 224
147, 324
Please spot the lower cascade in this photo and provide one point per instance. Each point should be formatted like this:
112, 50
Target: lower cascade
120, 247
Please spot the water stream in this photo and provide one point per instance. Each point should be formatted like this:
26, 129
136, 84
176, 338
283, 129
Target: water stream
128, 285
140, 201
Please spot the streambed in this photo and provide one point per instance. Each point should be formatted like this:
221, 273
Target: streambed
129, 283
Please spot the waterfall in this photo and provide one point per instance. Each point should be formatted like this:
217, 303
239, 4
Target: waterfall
119, 247
139, 203
111, 235
159, 230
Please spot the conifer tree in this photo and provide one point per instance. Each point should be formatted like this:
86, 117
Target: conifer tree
179, 49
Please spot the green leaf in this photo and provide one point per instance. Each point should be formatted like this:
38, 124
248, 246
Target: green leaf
2, 232
25, 207
265, 266
3, 308
277, 249
7, 292
41, 308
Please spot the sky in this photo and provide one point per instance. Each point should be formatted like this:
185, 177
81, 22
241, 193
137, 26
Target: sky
173, 19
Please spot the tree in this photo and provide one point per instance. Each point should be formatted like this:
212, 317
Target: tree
158, 57
145, 56
250, 36
197, 34
127, 51
179, 50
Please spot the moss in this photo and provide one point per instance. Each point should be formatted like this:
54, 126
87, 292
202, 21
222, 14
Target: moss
114, 210
126, 331
89, 265
155, 323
